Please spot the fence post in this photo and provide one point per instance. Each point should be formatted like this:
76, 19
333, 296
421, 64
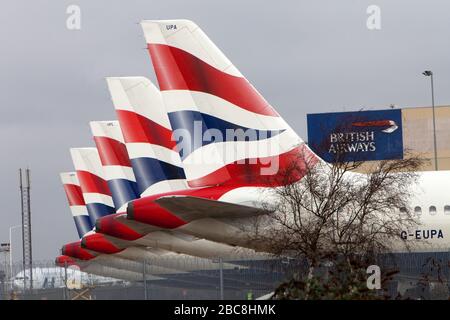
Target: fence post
221, 278
65, 281
144, 275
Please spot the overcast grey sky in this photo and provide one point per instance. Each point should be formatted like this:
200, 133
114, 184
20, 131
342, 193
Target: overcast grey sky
303, 56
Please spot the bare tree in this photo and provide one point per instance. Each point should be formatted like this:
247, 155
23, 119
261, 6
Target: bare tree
338, 219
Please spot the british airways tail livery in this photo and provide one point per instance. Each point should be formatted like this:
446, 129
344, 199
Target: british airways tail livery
204, 92
116, 164
118, 173
94, 187
226, 131
147, 134
157, 166
76, 202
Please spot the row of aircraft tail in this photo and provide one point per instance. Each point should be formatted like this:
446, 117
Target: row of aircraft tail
185, 165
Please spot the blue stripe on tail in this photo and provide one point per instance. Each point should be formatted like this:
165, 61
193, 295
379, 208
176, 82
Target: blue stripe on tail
98, 210
83, 224
123, 191
149, 171
197, 123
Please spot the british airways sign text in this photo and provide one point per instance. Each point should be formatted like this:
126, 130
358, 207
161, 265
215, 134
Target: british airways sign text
356, 136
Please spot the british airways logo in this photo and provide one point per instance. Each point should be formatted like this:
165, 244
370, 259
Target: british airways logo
388, 125
360, 141
356, 136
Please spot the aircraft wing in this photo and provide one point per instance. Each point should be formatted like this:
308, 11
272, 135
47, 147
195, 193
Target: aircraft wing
191, 208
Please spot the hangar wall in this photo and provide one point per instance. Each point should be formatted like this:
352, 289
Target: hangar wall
418, 134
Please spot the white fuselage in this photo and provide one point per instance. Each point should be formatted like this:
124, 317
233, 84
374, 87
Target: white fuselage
55, 277
431, 234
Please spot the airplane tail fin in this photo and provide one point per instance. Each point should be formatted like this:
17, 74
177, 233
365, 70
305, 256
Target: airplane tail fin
94, 187
147, 135
226, 131
76, 202
116, 164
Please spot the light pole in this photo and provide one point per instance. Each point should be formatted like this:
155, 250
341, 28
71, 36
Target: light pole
429, 73
11, 247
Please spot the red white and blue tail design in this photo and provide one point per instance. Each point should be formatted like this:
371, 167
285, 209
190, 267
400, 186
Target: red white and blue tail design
147, 134
116, 164
226, 131
94, 187
76, 203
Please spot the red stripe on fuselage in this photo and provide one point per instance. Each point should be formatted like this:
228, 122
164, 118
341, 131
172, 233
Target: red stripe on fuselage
98, 242
110, 226
292, 167
177, 69
260, 172
74, 250
147, 211
65, 261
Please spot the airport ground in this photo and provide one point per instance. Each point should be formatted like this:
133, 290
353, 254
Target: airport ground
419, 276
